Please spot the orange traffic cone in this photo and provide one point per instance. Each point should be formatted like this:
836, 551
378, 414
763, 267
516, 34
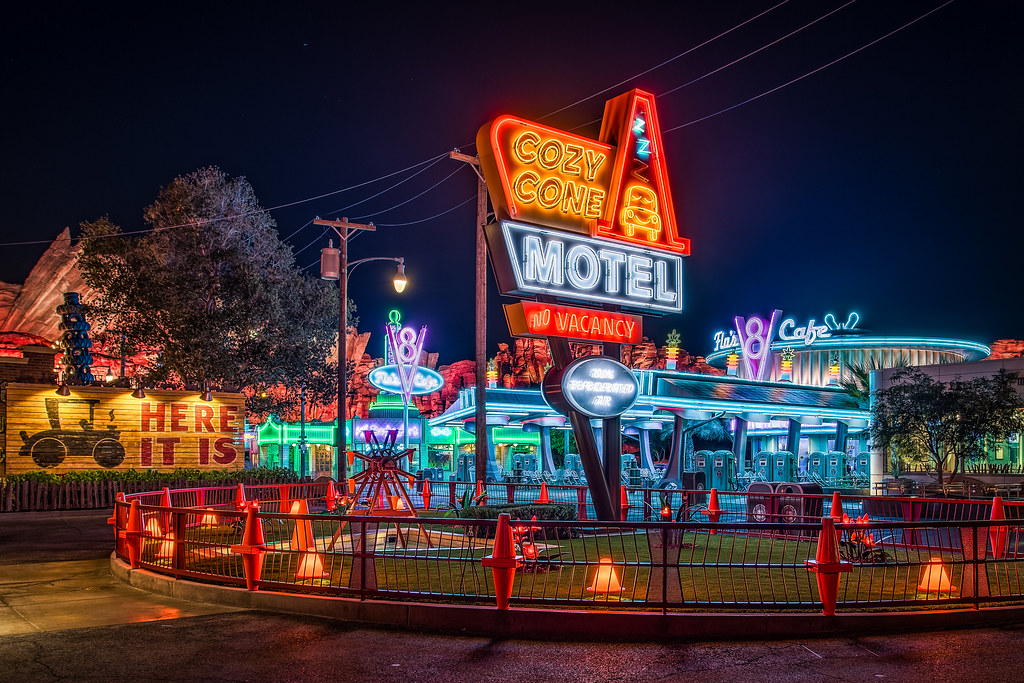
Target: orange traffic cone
426, 494
240, 502
153, 529
118, 520
503, 561
713, 512
934, 578
543, 493
310, 565
623, 503
351, 486
837, 513
606, 579
209, 519
828, 565
166, 549
351, 458
997, 534
481, 493
331, 498
165, 502
133, 535
252, 547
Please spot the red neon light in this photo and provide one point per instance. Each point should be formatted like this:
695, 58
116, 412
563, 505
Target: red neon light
534, 319
639, 207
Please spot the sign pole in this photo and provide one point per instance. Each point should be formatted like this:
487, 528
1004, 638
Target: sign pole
613, 443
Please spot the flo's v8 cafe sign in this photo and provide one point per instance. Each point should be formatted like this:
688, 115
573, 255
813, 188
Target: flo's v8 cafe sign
582, 219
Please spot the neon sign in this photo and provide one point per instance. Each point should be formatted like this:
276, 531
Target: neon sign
596, 386
537, 261
387, 378
755, 337
533, 319
788, 331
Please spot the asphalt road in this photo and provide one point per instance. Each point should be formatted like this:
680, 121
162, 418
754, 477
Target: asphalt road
52, 577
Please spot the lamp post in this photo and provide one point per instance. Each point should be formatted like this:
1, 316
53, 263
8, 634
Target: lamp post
334, 262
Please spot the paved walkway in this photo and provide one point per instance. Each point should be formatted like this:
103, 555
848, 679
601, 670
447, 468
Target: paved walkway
55, 574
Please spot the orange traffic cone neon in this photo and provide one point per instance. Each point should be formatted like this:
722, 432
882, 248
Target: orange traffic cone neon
153, 529
302, 537
713, 512
606, 579
310, 567
503, 561
997, 534
934, 578
426, 494
252, 547
543, 493
133, 535
240, 502
208, 519
396, 503
166, 549
331, 497
828, 565
165, 502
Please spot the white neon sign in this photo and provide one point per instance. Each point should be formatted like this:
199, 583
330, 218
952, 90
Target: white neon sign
577, 267
789, 331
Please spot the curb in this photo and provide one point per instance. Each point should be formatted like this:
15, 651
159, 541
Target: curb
566, 625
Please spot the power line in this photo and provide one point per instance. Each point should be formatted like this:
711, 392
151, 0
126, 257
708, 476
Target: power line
810, 73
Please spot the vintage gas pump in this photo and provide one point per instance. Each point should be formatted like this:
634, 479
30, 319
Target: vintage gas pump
863, 466
816, 471
573, 463
723, 471
702, 463
763, 465
836, 466
466, 470
785, 466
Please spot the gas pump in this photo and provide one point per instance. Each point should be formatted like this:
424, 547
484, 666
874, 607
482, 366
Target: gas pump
573, 462
863, 465
466, 470
723, 471
816, 471
785, 466
836, 466
763, 465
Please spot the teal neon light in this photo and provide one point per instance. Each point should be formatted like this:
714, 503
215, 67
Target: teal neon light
970, 350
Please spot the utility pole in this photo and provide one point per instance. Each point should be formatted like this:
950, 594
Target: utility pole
342, 227
482, 452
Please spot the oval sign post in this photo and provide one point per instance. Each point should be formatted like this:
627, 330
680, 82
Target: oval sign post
425, 381
597, 386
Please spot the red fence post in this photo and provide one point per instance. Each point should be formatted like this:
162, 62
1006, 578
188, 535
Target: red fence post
581, 503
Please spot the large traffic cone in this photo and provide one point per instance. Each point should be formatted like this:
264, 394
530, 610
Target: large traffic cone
165, 517
426, 494
828, 564
310, 565
252, 547
166, 549
153, 528
837, 513
133, 535
209, 518
623, 504
543, 493
713, 512
934, 578
481, 493
240, 502
997, 534
331, 498
351, 486
351, 458
606, 579
118, 519
503, 561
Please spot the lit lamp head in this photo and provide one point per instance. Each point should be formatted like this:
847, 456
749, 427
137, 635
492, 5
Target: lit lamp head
400, 279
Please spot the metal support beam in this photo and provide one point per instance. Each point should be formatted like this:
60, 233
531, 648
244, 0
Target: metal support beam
793, 438
842, 435
739, 445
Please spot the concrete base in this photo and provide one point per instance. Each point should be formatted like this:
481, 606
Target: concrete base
557, 624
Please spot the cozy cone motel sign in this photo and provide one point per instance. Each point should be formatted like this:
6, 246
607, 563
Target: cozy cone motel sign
584, 220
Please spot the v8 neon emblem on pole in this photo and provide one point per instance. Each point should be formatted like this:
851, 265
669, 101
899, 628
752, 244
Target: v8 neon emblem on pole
406, 347
756, 334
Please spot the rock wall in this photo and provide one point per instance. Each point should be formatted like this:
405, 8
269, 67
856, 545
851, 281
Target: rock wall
1007, 348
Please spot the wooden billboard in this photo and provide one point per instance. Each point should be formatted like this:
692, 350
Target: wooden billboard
107, 428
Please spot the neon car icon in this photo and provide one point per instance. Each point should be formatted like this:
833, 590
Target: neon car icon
641, 213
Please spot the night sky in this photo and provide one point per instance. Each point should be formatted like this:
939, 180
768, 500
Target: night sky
888, 183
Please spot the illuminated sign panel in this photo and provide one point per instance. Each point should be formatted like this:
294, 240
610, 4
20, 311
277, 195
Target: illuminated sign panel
100, 427
548, 176
596, 386
616, 187
537, 261
387, 378
789, 331
640, 200
755, 336
533, 319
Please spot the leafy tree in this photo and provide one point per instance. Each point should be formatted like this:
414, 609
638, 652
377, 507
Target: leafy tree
921, 416
856, 379
213, 290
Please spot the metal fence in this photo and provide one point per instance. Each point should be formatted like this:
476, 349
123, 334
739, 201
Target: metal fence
903, 553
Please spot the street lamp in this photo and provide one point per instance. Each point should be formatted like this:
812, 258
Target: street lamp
332, 263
